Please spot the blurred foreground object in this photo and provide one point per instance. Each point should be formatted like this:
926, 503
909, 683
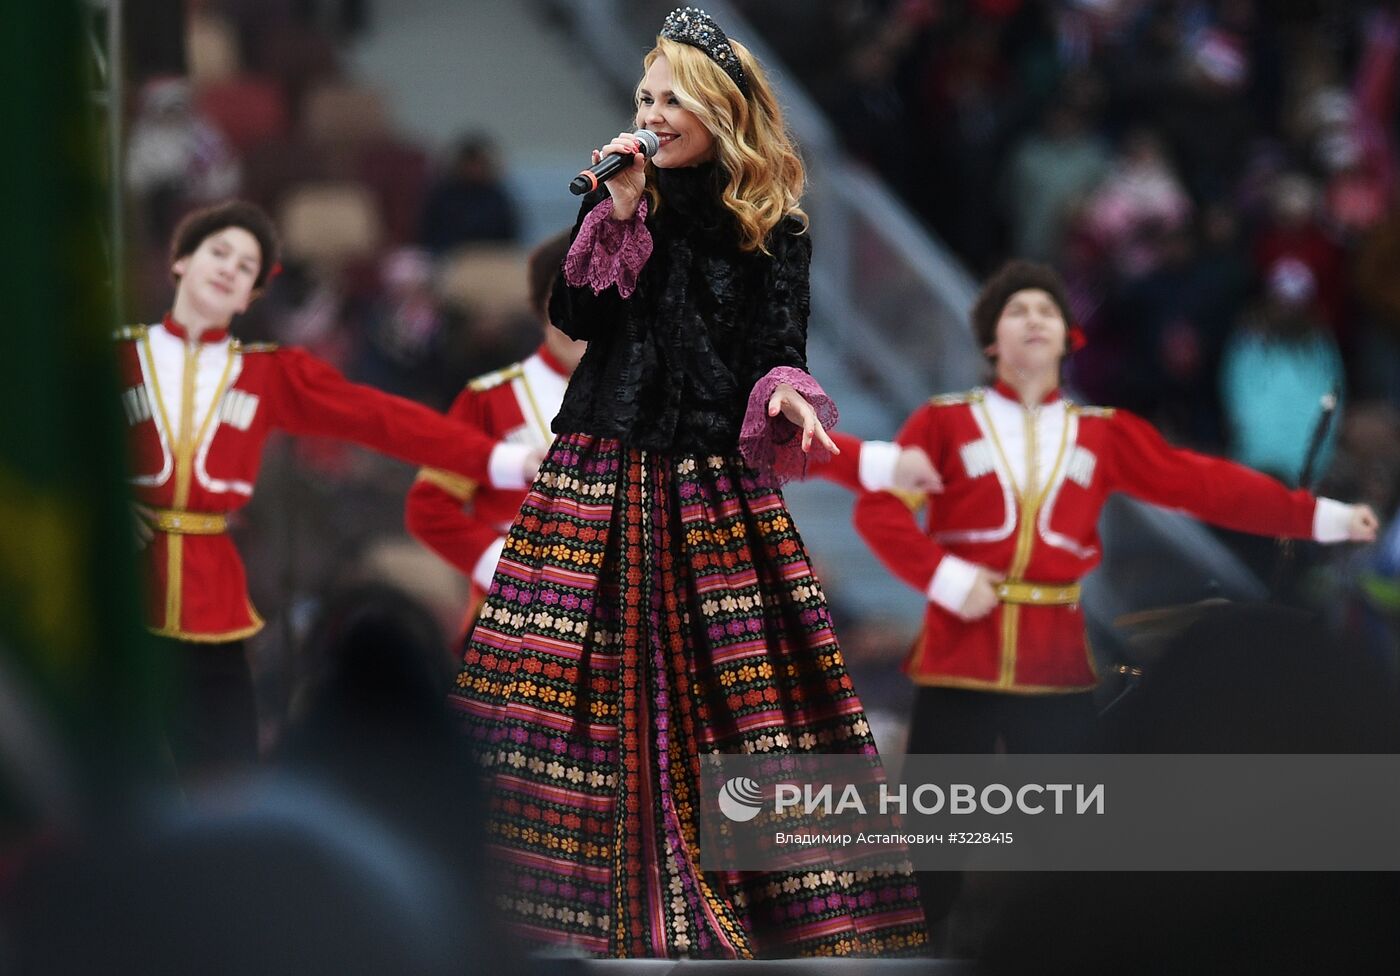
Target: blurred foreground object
68, 624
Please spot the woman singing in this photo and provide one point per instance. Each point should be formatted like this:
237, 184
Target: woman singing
653, 602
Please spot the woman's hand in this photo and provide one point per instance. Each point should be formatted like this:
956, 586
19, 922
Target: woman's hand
626, 187
792, 405
1363, 524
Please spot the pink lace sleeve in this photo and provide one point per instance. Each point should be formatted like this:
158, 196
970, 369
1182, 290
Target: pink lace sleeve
772, 446
609, 252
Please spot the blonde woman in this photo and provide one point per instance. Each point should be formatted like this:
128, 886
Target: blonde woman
654, 602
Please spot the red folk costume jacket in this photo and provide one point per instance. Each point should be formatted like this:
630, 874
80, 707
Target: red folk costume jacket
1022, 493
459, 518
198, 414
465, 522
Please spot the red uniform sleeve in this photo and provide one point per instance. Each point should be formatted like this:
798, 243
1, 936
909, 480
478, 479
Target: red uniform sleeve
886, 521
1223, 493
310, 397
439, 511
843, 468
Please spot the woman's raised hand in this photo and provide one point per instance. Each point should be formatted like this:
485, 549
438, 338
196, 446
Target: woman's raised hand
626, 187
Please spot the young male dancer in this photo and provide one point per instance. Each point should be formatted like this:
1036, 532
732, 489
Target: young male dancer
1026, 472
199, 406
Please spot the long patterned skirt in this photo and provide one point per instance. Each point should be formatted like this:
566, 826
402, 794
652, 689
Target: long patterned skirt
649, 609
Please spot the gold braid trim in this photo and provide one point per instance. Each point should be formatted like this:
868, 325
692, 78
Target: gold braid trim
456, 485
1038, 594
913, 500
180, 522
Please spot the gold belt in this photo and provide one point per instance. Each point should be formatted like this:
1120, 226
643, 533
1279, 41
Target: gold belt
1038, 594
179, 522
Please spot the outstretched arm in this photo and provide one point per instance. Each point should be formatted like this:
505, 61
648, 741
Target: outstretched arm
877, 466
788, 412
886, 521
438, 514
1224, 493
440, 511
311, 397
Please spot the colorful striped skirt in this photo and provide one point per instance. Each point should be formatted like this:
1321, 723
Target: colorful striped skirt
650, 609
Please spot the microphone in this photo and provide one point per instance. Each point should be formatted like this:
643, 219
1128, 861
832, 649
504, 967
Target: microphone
614, 163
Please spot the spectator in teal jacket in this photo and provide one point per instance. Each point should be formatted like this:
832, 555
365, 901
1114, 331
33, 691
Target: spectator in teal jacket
1278, 366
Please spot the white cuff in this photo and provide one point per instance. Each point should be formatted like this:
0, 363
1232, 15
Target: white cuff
877, 464
952, 582
485, 567
1332, 520
506, 469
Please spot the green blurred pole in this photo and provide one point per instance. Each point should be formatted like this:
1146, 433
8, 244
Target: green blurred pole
70, 633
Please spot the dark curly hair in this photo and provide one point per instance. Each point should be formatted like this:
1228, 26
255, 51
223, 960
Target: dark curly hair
199, 225
1011, 277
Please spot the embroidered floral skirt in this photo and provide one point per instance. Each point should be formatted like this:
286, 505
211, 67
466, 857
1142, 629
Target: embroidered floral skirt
649, 609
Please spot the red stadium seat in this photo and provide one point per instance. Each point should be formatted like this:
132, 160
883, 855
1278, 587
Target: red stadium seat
397, 174
249, 110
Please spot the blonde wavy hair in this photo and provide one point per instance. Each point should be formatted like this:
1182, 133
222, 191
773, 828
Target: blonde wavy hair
752, 144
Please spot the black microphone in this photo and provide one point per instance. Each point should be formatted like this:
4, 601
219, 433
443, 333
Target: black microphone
614, 163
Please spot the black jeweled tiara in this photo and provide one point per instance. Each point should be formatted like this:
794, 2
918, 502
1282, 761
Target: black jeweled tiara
691, 25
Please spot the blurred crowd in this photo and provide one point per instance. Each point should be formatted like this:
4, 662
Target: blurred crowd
401, 269
1216, 179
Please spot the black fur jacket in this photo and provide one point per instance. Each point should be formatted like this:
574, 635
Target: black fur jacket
670, 367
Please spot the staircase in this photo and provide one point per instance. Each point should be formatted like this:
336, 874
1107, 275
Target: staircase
447, 68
